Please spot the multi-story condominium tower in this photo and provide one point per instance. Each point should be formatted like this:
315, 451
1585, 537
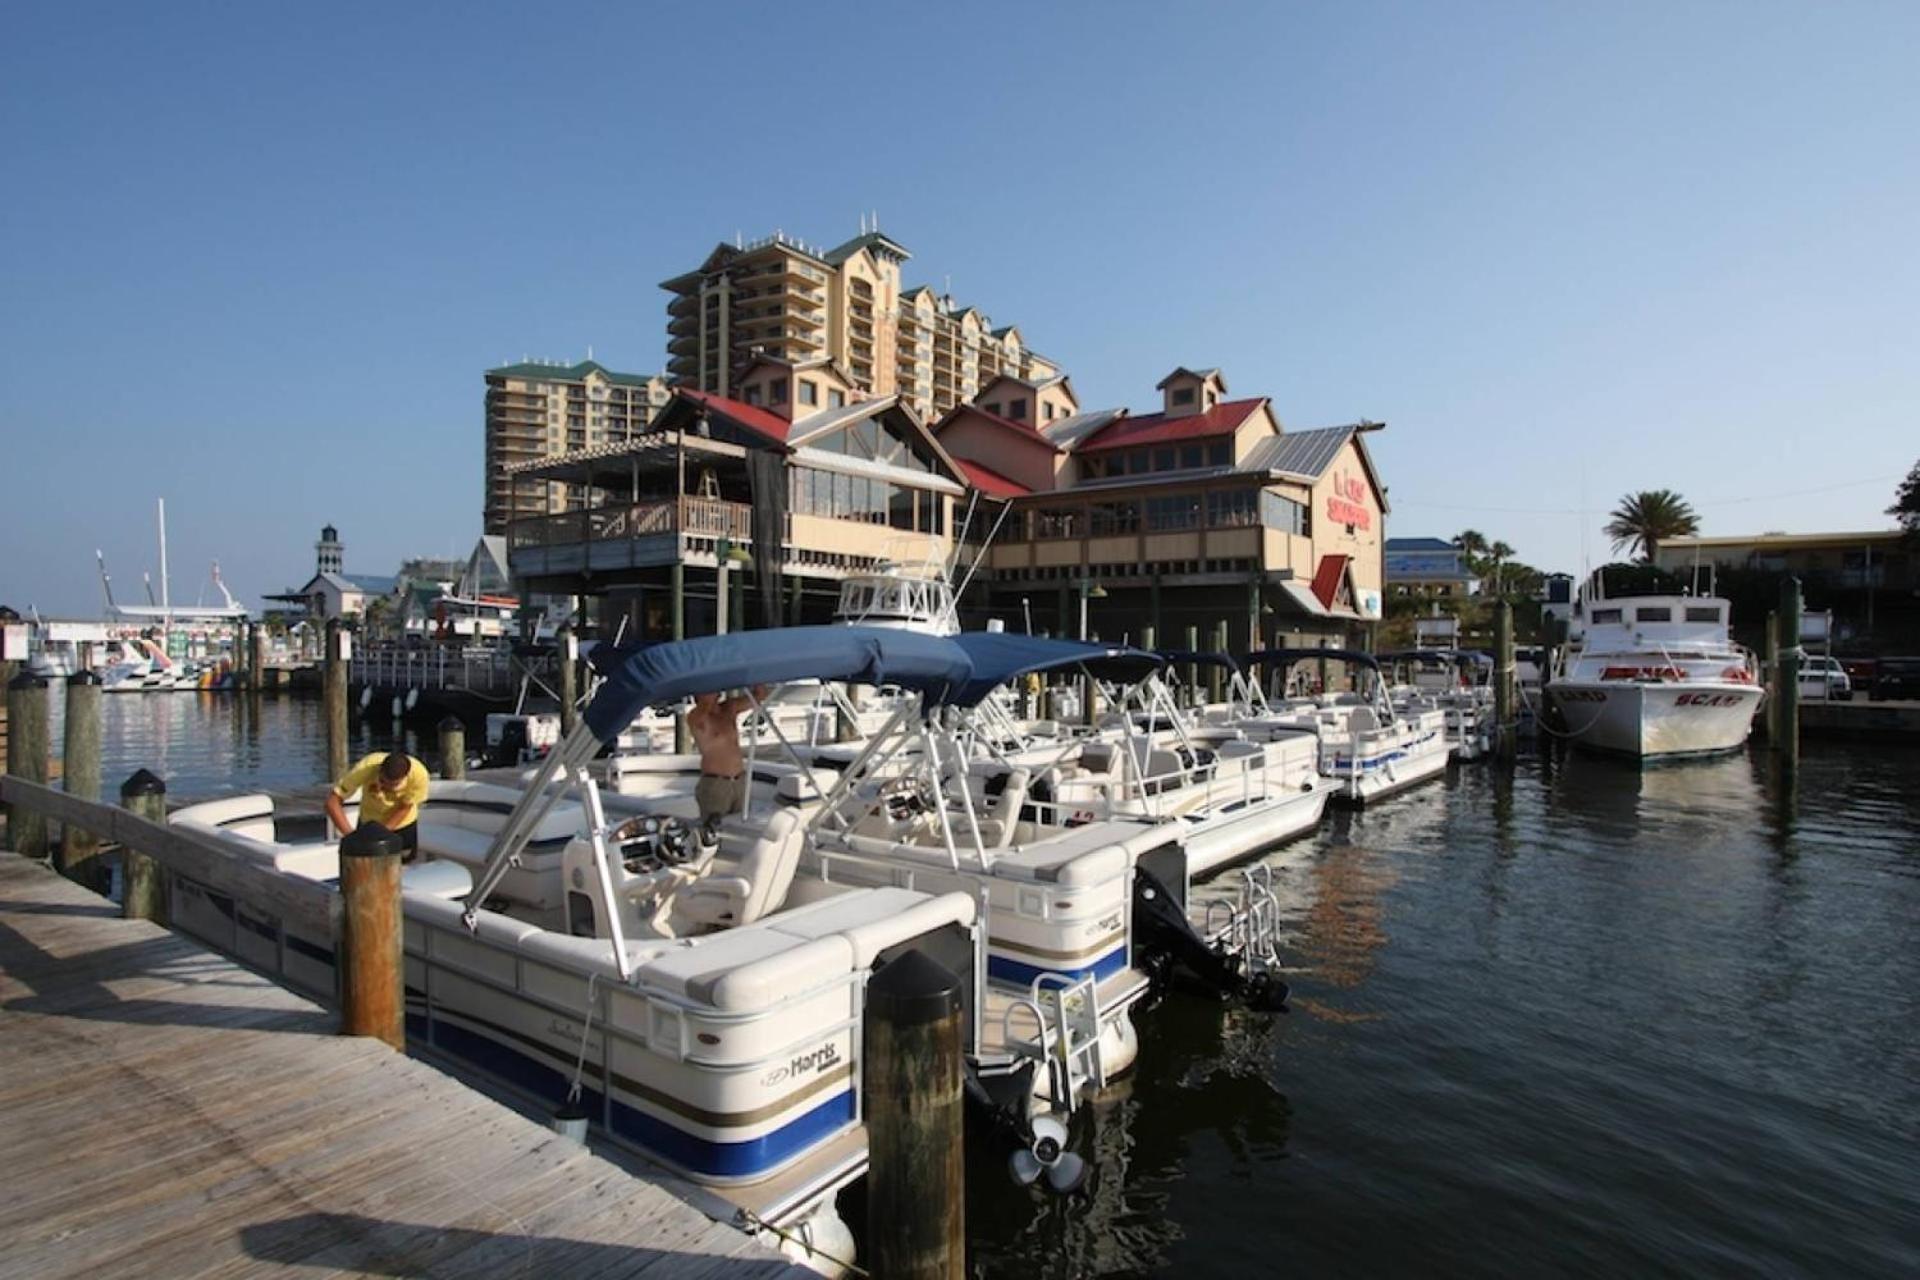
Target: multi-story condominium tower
784, 298
538, 410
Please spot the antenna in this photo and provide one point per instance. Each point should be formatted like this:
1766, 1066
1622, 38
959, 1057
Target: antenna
106, 583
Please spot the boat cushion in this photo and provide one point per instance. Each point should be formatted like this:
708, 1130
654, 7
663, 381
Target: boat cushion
873, 919
747, 969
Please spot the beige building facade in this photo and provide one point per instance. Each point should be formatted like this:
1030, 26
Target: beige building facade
782, 297
1205, 512
537, 410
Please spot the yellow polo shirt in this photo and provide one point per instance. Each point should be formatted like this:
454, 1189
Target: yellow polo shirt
379, 801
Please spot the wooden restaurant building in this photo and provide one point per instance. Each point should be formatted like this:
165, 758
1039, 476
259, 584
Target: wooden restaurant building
1205, 518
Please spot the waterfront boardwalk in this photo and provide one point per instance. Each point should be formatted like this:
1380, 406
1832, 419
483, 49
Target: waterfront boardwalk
165, 1112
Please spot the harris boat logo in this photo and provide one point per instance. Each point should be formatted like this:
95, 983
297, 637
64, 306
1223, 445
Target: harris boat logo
803, 1064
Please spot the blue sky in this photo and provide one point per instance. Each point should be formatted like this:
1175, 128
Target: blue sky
255, 257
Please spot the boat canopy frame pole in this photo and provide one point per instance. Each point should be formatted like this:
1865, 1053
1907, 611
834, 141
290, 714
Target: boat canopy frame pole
837, 795
602, 869
572, 751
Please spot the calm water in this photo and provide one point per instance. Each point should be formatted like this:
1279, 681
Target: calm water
213, 744
1593, 1020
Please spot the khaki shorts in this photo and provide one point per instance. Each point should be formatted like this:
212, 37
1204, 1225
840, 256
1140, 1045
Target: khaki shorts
719, 796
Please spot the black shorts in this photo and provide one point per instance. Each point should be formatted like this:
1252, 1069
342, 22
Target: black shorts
409, 841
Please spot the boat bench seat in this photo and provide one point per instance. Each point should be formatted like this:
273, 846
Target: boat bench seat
873, 919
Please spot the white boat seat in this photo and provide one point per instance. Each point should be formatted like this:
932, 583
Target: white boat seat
794, 788
874, 919
759, 884
1362, 720
744, 969
1005, 813
436, 879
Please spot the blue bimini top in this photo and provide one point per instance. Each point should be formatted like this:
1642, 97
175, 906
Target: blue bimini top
643, 675
999, 657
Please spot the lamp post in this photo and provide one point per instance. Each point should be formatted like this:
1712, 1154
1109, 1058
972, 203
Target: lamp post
1089, 590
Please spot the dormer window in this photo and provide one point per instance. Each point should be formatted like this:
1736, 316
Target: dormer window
1017, 409
777, 394
1183, 395
750, 394
809, 392
994, 408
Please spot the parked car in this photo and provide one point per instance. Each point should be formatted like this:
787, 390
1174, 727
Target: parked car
1824, 680
1898, 679
1861, 671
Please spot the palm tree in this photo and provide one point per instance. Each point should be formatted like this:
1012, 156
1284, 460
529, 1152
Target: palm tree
1500, 553
1644, 520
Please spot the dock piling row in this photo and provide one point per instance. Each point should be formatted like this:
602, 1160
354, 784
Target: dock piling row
78, 857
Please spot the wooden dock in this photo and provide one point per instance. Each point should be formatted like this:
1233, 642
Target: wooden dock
165, 1112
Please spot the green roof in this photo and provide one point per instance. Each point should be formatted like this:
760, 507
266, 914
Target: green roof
570, 373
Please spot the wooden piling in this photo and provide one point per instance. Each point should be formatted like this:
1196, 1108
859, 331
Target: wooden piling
569, 652
27, 758
1787, 721
372, 965
1505, 712
916, 1192
1770, 678
143, 894
334, 699
78, 858
1192, 672
679, 594
257, 655
453, 749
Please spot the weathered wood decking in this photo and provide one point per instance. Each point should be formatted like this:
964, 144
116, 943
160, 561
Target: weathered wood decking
165, 1112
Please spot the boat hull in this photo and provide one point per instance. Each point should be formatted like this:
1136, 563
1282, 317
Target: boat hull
1241, 829
1647, 720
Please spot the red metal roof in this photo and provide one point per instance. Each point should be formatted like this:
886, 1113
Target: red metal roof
1326, 579
754, 418
989, 481
1158, 428
1018, 428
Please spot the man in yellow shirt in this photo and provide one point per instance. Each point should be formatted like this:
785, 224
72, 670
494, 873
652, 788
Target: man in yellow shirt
393, 786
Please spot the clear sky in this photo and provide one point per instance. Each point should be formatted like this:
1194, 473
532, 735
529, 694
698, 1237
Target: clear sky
254, 258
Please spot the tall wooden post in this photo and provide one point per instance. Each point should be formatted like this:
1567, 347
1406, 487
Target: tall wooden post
1150, 637
372, 962
257, 655
1192, 672
1153, 607
1216, 675
722, 596
453, 749
569, 652
1789, 722
916, 1190
27, 758
334, 698
679, 611
1770, 677
1504, 711
1253, 614
242, 660
80, 776
143, 894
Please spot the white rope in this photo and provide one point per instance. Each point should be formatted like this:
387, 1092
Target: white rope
586, 1029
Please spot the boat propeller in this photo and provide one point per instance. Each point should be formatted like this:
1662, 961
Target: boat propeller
1066, 1171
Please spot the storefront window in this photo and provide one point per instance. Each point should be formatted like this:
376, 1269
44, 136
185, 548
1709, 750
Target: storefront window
1232, 508
1105, 518
1173, 511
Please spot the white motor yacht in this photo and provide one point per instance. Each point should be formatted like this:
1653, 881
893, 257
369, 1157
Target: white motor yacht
1650, 676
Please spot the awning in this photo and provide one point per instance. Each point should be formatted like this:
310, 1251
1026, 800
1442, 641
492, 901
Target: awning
999, 656
641, 676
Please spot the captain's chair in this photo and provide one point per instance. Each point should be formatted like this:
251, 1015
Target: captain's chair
1363, 720
758, 884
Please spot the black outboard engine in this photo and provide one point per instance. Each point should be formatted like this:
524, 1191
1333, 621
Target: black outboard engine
1169, 943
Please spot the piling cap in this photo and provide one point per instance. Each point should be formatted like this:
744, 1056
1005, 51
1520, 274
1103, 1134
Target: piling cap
453, 724
83, 678
143, 783
27, 680
370, 840
913, 988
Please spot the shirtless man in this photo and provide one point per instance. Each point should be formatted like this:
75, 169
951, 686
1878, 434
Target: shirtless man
715, 725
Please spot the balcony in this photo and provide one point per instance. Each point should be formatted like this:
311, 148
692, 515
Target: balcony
625, 536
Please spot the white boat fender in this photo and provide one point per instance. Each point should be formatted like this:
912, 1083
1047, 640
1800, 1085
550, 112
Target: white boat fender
366, 697
570, 1121
413, 698
398, 703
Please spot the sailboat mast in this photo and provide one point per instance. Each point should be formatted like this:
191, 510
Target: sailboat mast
166, 602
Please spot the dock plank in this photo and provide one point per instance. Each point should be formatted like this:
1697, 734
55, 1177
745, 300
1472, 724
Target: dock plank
168, 1112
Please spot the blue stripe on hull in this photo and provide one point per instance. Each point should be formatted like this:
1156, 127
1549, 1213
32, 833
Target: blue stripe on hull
1003, 969
689, 1151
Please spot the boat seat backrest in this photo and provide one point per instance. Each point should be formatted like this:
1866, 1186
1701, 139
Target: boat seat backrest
757, 885
1362, 720
1005, 811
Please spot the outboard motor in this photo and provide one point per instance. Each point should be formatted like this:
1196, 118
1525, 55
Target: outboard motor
1168, 942
1036, 1145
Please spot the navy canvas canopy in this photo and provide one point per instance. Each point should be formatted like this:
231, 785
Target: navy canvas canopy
999, 656
1199, 657
1281, 657
643, 675
1473, 656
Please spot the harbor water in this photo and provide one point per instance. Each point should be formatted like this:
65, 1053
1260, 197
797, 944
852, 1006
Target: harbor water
1589, 1019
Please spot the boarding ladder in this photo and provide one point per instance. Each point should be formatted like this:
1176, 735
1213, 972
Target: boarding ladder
1066, 1014
1251, 928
